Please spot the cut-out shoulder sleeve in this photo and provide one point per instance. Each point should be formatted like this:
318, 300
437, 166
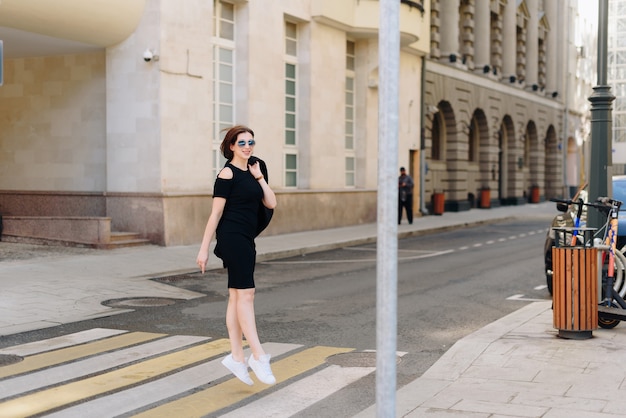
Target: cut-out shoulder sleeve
222, 187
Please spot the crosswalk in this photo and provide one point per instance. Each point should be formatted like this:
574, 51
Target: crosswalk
111, 373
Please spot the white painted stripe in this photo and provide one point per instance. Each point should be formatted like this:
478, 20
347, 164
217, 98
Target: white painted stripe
363, 260
522, 298
300, 395
156, 391
63, 341
64, 372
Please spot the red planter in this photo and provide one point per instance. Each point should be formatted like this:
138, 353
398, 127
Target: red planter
438, 203
534, 194
485, 199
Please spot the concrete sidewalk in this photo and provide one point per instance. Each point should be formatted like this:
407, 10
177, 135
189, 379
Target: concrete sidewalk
519, 367
514, 367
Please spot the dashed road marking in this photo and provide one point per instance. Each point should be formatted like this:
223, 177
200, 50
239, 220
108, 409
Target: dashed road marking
419, 254
522, 298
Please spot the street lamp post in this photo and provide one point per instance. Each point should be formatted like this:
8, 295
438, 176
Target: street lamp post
387, 230
601, 141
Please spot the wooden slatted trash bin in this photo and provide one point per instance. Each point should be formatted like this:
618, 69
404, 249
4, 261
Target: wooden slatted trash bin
574, 285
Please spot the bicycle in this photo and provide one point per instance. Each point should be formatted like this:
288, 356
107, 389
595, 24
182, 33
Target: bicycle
612, 263
612, 294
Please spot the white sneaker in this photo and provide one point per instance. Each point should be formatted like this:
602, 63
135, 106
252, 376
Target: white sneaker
262, 369
238, 368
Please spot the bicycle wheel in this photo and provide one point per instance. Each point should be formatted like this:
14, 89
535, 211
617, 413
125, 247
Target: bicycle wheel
608, 323
620, 273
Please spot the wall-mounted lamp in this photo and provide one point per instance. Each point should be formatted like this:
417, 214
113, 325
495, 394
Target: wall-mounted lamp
150, 55
464, 127
512, 79
486, 69
432, 109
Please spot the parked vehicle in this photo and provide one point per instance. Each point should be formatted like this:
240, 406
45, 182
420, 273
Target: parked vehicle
568, 216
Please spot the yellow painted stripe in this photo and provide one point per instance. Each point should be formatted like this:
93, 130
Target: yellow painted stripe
232, 391
63, 355
56, 397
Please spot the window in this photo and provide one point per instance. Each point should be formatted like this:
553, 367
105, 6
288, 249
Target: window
350, 171
291, 104
349, 136
291, 39
223, 77
291, 170
224, 20
350, 57
350, 115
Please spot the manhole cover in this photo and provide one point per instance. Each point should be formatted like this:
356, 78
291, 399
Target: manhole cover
139, 302
355, 359
6, 359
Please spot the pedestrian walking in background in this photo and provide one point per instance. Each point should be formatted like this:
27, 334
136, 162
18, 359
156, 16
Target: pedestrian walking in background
239, 190
405, 196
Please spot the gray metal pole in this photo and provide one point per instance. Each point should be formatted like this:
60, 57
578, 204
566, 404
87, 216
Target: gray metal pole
387, 241
566, 97
423, 173
601, 141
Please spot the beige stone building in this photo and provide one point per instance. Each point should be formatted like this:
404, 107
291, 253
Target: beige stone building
91, 129
501, 101
499, 87
111, 111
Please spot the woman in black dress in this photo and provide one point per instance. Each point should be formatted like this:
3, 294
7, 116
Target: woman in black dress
238, 190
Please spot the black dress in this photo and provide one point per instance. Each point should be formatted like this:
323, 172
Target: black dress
237, 227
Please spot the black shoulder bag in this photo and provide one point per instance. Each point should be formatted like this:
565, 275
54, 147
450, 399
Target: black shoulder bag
264, 215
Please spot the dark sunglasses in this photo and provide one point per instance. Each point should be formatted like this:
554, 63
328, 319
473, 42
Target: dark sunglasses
242, 143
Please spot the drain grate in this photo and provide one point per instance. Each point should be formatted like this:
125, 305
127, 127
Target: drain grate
8, 359
139, 302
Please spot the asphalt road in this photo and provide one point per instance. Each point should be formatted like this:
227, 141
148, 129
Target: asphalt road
449, 285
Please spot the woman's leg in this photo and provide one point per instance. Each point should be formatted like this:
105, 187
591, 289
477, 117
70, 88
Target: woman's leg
246, 320
232, 324
259, 362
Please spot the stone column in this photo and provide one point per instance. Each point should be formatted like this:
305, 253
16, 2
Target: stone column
509, 41
449, 30
532, 45
482, 39
466, 28
551, 47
